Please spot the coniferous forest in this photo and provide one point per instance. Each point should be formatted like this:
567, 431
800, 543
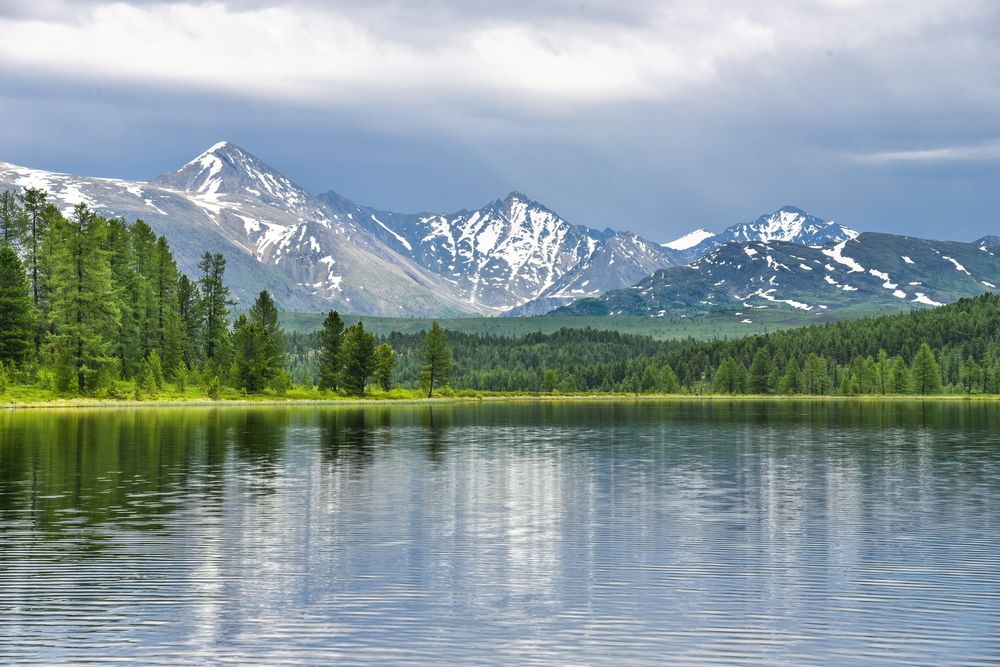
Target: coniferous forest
93, 306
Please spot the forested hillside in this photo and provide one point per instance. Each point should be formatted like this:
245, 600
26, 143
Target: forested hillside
867, 356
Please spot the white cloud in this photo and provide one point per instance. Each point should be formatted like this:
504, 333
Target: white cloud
971, 153
535, 58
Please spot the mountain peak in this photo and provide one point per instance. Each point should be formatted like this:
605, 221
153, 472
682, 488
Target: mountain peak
225, 168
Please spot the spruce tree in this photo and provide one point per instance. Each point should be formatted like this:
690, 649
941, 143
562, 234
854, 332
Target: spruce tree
436, 368
384, 364
925, 373
264, 313
761, 373
13, 221
83, 317
192, 320
358, 356
791, 381
729, 377
215, 310
35, 204
331, 338
16, 312
250, 358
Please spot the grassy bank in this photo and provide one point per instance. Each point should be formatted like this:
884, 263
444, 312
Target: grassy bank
32, 397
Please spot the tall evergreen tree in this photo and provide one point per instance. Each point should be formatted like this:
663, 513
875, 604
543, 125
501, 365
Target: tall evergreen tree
250, 355
264, 313
192, 317
791, 381
761, 373
35, 202
729, 377
216, 303
358, 357
84, 318
13, 221
436, 369
925, 373
16, 323
815, 376
384, 364
331, 338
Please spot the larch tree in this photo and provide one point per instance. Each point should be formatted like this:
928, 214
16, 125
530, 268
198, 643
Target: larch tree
436, 367
331, 338
925, 373
358, 358
83, 317
16, 312
384, 362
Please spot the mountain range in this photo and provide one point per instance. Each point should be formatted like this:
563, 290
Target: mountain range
870, 271
319, 252
513, 256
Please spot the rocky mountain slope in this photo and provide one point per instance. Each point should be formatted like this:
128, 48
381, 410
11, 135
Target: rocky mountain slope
316, 253
870, 271
788, 224
513, 253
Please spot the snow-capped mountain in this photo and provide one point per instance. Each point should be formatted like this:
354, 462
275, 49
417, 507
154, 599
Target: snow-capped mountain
274, 234
788, 224
513, 253
315, 253
869, 272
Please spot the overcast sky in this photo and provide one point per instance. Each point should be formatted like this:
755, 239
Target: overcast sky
650, 115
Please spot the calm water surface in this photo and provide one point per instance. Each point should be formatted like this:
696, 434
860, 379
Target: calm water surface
585, 534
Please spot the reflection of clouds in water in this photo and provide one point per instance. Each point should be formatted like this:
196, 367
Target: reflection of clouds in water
514, 534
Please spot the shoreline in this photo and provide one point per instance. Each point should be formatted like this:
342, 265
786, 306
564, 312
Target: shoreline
90, 403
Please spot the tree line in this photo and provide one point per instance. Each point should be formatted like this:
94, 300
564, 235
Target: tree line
97, 306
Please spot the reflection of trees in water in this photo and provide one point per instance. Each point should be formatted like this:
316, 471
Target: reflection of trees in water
347, 437
436, 422
259, 438
66, 471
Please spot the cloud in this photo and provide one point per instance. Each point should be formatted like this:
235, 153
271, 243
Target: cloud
986, 151
535, 58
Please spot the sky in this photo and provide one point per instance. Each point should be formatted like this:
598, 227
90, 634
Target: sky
656, 116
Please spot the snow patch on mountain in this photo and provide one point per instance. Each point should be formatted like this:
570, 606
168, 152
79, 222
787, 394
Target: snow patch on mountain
689, 240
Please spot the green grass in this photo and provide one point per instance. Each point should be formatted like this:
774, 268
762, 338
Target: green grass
708, 327
33, 396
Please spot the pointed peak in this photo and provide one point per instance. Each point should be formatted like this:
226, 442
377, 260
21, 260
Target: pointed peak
514, 195
788, 208
226, 168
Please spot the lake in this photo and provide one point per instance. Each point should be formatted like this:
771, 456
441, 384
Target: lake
603, 533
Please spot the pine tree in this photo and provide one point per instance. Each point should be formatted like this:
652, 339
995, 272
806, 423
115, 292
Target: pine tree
815, 375
384, 364
791, 381
729, 377
358, 356
169, 328
13, 221
84, 319
331, 339
250, 357
264, 314
35, 202
761, 373
899, 376
192, 319
16, 313
436, 369
216, 303
925, 372
668, 382
971, 375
